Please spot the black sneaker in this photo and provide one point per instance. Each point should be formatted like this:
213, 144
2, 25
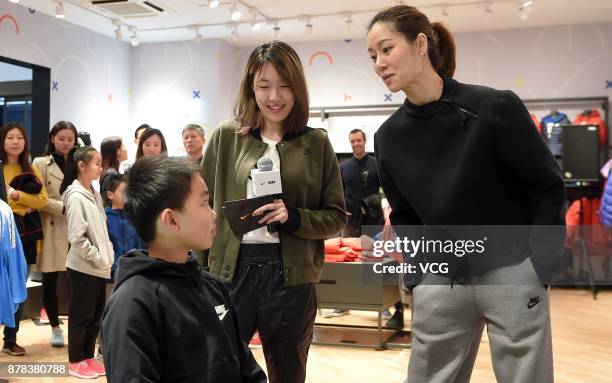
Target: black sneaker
396, 321
13, 349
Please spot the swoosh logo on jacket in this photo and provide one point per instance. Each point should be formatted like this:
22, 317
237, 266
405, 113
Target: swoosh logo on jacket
221, 312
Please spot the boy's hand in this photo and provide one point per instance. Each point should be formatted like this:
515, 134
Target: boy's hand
277, 212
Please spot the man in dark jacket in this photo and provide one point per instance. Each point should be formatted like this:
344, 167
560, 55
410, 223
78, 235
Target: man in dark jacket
168, 320
360, 180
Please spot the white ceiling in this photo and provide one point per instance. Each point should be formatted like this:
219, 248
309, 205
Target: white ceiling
10, 72
171, 25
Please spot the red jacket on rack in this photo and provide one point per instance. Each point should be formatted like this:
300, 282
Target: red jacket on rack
592, 117
536, 122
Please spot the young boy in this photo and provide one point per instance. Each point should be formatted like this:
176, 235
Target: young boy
121, 232
169, 320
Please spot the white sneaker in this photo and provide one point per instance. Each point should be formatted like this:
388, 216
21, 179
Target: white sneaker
333, 313
57, 338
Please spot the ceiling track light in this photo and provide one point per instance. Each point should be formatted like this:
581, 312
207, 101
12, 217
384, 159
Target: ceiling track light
14, 1
234, 33
134, 39
524, 9
59, 10
197, 36
257, 19
488, 11
308, 26
255, 24
349, 21
118, 31
236, 14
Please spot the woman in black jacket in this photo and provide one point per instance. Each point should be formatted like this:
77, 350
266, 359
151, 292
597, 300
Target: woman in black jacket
457, 154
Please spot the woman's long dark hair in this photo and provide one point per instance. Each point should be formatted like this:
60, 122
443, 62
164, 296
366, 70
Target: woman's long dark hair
287, 63
75, 155
108, 150
59, 126
24, 157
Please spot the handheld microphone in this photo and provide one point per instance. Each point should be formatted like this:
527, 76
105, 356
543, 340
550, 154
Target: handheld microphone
267, 181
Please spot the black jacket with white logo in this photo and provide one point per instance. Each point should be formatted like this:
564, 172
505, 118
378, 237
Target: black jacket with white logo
169, 322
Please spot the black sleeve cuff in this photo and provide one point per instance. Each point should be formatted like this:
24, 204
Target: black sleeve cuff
293, 222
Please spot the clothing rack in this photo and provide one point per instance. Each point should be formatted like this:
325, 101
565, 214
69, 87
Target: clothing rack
577, 190
325, 112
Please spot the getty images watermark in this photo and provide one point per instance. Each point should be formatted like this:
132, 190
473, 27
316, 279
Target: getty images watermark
559, 255
413, 248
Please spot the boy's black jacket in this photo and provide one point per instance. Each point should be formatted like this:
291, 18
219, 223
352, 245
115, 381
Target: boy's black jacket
168, 322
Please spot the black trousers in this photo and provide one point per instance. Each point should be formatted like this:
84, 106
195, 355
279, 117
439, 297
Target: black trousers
49, 297
10, 333
87, 294
283, 315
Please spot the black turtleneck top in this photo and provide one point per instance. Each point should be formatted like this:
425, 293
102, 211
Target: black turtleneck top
60, 161
473, 157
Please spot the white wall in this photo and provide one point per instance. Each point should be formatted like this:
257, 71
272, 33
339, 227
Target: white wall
87, 67
551, 62
164, 79
154, 83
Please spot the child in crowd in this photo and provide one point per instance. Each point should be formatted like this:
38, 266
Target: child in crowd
121, 232
89, 261
168, 320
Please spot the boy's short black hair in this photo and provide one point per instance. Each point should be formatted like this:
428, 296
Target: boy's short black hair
154, 184
109, 183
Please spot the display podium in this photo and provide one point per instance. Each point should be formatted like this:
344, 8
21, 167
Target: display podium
356, 286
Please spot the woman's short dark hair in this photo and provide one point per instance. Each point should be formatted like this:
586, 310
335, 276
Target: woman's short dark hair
59, 126
154, 184
357, 130
145, 136
138, 129
108, 150
288, 65
409, 22
195, 127
24, 157
109, 182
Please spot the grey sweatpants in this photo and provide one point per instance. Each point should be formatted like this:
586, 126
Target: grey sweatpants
447, 326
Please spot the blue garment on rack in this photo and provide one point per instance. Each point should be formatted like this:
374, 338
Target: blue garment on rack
13, 267
552, 131
605, 211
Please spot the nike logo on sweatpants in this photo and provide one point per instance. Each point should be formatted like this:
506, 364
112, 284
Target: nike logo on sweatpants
532, 302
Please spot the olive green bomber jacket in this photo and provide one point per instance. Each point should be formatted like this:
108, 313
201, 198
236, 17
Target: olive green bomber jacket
312, 193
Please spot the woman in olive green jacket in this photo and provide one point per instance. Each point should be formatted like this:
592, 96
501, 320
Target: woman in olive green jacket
271, 274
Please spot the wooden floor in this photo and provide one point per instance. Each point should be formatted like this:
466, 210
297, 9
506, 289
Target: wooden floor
582, 333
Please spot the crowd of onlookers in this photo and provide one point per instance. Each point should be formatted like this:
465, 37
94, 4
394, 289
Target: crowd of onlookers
68, 206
